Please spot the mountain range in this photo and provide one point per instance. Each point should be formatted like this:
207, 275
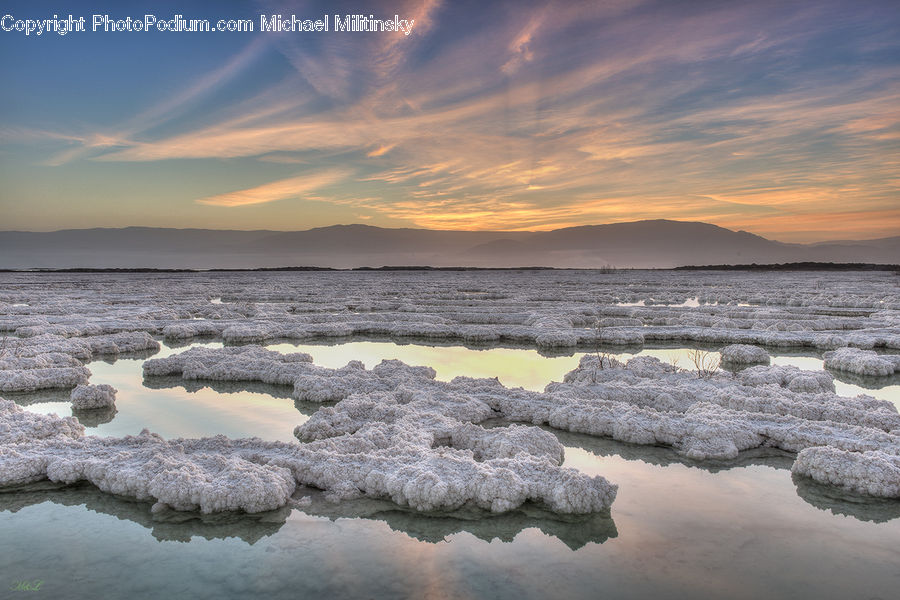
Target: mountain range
639, 244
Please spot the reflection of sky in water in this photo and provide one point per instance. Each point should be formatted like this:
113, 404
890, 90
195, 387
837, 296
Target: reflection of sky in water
890, 393
176, 412
676, 531
526, 368
514, 367
680, 532
693, 302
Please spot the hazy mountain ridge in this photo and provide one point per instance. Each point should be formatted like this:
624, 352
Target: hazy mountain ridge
657, 243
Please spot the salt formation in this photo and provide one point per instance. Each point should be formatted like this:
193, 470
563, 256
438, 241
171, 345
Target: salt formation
47, 361
398, 460
862, 362
644, 401
21, 375
86, 397
397, 433
873, 472
554, 311
742, 354
146, 467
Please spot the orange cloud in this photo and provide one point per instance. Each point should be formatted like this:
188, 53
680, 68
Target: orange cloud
277, 190
381, 150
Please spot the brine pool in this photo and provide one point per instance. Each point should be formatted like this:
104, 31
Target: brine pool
678, 529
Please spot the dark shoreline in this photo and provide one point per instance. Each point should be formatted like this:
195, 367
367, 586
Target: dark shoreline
794, 266
797, 266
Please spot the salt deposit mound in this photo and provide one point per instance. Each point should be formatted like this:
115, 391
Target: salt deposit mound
862, 362
742, 354
393, 460
397, 433
644, 402
85, 397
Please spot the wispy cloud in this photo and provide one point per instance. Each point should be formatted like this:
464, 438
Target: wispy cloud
293, 187
380, 150
163, 111
541, 115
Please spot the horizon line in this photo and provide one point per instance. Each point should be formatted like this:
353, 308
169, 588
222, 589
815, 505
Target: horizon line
497, 231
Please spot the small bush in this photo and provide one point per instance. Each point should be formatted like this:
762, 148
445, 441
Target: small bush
706, 363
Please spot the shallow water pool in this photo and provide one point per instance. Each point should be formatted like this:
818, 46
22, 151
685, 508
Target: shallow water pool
678, 529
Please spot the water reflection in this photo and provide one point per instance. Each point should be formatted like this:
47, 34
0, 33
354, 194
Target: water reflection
514, 367
872, 384
94, 417
572, 530
180, 526
841, 502
32, 399
168, 525
175, 407
586, 453
190, 386
663, 456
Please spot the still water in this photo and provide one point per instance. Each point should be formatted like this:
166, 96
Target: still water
678, 529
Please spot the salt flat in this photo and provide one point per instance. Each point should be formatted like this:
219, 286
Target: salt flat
615, 442
397, 433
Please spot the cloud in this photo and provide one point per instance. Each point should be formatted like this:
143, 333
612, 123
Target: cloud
380, 150
163, 111
293, 187
540, 115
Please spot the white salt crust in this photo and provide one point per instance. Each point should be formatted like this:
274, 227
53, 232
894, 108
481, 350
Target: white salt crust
47, 360
85, 397
644, 402
742, 354
862, 362
872, 472
425, 448
552, 311
426, 460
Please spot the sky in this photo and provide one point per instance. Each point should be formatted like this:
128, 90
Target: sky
778, 118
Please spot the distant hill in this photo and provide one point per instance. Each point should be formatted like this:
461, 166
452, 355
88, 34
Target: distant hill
639, 244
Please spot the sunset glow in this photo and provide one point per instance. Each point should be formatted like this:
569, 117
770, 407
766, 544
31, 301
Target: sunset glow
779, 118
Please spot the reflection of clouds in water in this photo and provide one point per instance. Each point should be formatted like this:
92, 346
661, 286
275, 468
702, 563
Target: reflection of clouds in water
840, 502
573, 530
170, 525
676, 528
514, 367
611, 458
181, 407
94, 417
166, 525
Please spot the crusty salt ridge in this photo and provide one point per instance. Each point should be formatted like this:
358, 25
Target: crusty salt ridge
554, 311
404, 459
643, 402
48, 360
80, 316
85, 397
873, 472
166, 525
742, 354
862, 362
